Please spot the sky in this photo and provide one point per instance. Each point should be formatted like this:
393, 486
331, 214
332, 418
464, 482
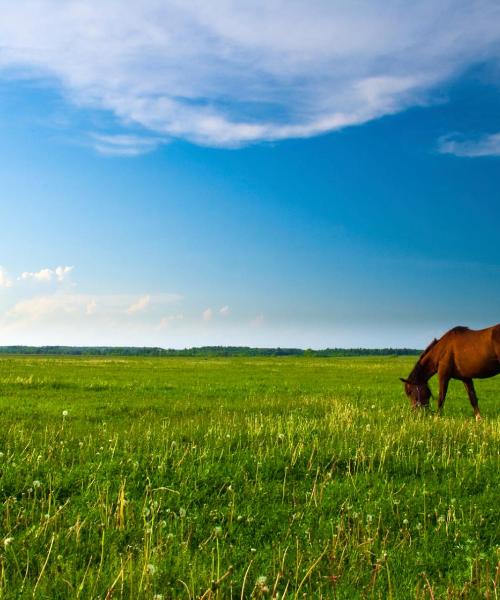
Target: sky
295, 174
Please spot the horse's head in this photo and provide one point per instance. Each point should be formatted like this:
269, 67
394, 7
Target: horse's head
418, 393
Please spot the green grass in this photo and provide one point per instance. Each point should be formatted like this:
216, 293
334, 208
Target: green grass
241, 478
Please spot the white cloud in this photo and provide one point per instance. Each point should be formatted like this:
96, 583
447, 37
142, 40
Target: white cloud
139, 306
207, 314
224, 311
227, 73
486, 145
5, 280
47, 275
61, 272
42, 275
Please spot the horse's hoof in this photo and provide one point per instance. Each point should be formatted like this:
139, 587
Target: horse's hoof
478, 418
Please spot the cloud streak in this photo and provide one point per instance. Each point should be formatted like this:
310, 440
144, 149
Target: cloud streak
139, 306
486, 145
124, 145
228, 74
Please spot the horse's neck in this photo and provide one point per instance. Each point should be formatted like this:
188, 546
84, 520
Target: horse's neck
428, 365
425, 368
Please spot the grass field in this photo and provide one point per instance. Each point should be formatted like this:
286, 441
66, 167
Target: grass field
240, 478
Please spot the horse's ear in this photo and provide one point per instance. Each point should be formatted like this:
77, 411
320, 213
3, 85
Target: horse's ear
403, 380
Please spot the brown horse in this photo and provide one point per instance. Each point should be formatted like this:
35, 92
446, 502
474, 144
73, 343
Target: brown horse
461, 354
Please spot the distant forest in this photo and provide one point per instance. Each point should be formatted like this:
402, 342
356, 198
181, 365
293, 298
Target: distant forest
204, 351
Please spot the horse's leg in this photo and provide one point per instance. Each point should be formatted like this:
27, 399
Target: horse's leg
469, 386
443, 388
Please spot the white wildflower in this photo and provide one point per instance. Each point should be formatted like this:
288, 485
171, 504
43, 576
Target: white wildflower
262, 584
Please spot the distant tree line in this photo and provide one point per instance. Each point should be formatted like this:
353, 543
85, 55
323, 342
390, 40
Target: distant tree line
203, 351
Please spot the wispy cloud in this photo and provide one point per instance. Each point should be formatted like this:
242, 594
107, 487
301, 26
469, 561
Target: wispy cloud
91, 307
139, 306
227, 73
485, 145
39, 307
108, 306
47, 275
207, 314
124, 145
224, 311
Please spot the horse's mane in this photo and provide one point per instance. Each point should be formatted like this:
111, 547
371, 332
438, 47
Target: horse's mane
418, 368
429, 347
459, 329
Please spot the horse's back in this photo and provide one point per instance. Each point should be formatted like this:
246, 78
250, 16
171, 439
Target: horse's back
463, 336
475, 353
495, 336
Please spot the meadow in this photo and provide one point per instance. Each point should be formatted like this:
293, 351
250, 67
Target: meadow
164, 478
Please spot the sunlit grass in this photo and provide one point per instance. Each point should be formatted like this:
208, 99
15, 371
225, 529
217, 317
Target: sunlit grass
240, 478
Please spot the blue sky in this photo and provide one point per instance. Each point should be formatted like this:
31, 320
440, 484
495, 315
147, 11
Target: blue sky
280, 174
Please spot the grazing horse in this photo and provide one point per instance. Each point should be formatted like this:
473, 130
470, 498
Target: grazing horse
461, 354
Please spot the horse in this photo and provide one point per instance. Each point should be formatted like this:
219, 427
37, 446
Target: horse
462, 354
